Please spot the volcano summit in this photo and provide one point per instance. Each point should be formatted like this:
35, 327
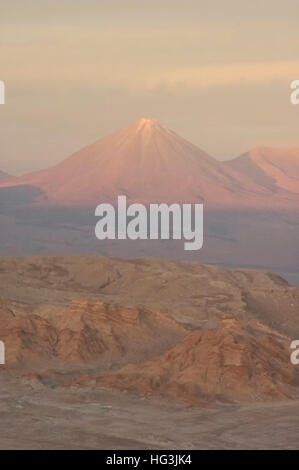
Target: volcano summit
147, 163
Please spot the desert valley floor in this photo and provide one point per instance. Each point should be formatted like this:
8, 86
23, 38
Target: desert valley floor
110, 353
104, 419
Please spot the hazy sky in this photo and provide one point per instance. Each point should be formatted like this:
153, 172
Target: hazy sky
216, 72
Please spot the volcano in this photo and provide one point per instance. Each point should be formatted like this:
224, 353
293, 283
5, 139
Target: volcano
147, 163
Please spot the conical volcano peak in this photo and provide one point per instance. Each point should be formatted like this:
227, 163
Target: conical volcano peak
147, 124
144, 129
149, 121
149, 163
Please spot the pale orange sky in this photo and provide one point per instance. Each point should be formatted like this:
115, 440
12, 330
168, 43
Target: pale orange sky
218, 73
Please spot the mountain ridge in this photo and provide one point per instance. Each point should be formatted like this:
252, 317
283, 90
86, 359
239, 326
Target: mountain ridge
148, 163
276, 169
5, 176
190, 333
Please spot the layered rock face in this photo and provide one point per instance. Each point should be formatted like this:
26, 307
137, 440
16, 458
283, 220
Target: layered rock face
186, 332
86, 331
228, 363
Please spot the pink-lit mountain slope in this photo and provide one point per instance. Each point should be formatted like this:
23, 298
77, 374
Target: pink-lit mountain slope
149, 163
275, 169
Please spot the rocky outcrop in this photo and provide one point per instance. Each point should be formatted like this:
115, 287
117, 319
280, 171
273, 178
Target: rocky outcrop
86, 331
228, 363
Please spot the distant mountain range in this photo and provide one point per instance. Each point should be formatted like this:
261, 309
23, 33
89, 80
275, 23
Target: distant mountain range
150, 163
275, 169
4, 176
251, 202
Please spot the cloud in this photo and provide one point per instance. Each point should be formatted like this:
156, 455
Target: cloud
56, 74
224, 74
